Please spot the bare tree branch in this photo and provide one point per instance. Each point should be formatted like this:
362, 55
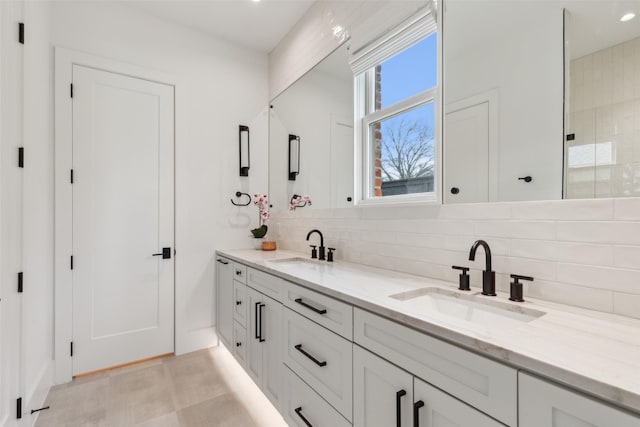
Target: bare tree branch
407, 150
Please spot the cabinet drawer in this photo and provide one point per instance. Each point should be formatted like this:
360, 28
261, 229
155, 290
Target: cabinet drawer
239, 343
482, 383
269, 285
543, 404
240, 303
330, 313
321, 358
300, 401
240, 272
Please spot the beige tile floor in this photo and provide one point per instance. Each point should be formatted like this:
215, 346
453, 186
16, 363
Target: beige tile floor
204, 388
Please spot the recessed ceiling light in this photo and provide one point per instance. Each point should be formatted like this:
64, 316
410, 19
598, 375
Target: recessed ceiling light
627, 17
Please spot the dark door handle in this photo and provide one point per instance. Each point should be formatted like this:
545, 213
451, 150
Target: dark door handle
416, 413
165, 254
399, 396
261, 339
221, 261
313, 359
310, 307
455, 190
299, 412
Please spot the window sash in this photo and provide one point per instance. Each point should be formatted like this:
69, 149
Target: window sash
368, 160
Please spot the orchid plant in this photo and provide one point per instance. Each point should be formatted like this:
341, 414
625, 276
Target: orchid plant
299, 202
262, 202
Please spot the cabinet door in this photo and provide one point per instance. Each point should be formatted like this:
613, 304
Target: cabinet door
255, 330
543, 404
382, 392
224, 300
272, 350
434, 408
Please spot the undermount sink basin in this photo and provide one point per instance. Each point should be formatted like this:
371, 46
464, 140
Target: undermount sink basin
469, 308
300, 263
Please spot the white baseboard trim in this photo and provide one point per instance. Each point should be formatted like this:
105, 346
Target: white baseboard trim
196, 339
37, 394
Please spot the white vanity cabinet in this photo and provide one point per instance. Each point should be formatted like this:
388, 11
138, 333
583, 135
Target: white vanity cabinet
548, 405
385, 395
224, 299
264, 343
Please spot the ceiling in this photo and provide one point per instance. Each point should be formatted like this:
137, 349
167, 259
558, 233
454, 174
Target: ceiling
595, 25
256, 25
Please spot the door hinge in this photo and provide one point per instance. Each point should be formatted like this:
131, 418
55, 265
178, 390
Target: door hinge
72, 262
19, 408
20, 276
71, 176
21, 32
71, 349
21, 157
72, 90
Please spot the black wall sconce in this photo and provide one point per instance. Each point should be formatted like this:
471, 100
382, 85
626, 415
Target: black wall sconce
244, 150
294, 157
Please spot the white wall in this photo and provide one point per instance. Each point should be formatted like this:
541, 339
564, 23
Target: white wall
515, 48
220, 86
306, 109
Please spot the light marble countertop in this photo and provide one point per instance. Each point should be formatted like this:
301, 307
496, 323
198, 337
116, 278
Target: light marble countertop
596, 353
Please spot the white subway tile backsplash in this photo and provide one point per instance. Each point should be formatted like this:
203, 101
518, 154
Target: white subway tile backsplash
584, 253
594, 299
613, 279
623, 233
571, 210
627, 305
626, 256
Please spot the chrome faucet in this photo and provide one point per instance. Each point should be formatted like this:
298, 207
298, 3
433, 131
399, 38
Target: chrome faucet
321, 256
488, 276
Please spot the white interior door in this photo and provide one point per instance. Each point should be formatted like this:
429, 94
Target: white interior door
466, 161
341, 162
123, 214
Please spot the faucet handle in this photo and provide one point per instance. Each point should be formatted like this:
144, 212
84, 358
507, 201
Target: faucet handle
330, 254
314, 251
516, 287
463, 283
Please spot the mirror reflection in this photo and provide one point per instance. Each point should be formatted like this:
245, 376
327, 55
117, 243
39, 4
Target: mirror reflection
602, 152
541, 102
317, 112
503, 101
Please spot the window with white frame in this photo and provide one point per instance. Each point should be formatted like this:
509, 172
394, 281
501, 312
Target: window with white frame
396, 92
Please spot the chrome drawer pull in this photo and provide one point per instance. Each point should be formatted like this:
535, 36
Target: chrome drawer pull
299, 412
313, 359
310, 307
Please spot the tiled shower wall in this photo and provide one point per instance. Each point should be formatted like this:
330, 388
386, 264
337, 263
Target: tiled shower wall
604, 116
584, 253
